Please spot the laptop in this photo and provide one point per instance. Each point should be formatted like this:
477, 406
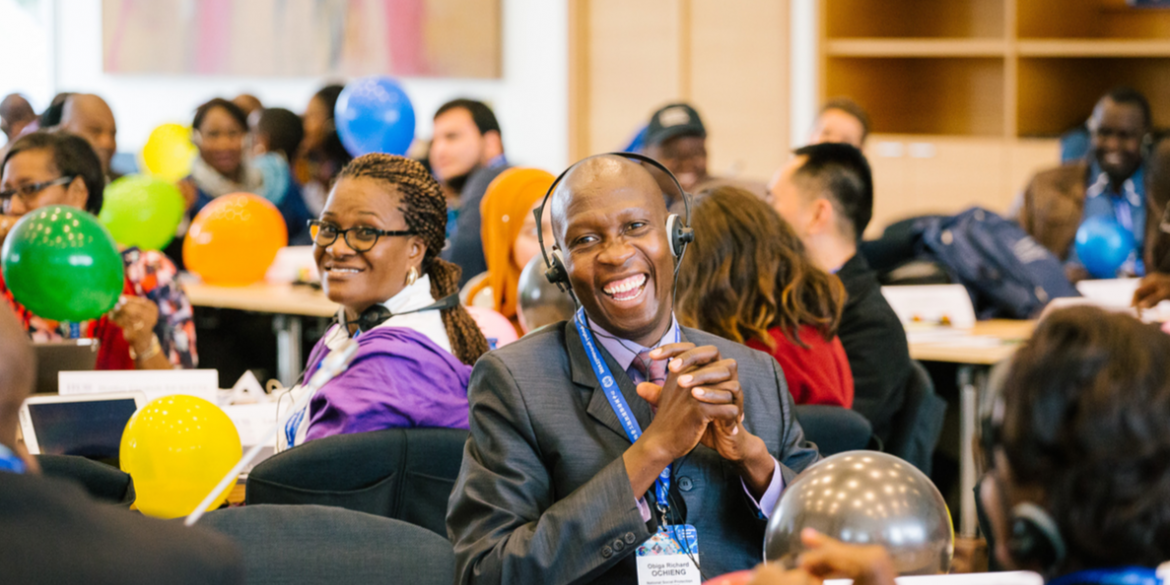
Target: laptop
73, 355
88, 425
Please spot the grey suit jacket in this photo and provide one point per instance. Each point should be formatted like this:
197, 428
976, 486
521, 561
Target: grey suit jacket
543, 495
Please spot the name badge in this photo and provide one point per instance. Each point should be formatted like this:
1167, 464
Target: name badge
670, 557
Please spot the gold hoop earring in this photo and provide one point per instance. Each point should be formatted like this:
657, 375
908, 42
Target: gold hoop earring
411, 276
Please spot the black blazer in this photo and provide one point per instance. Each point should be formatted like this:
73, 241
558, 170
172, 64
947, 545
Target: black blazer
875, 343
52, 532
543, 495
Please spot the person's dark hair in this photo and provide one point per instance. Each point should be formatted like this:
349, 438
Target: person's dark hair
481, 114
1084, 420
425, 208
332, 149
284, 130
852, 108
52, 115
232, 109
747, 272
72, 157
1132, 97
841, 172
14, 108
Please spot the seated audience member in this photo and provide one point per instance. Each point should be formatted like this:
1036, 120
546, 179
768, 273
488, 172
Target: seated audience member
747, 278
15, 115
218, 131
467, 154
551, 489
1079, 443
1109, 184
51, 117
841, 120
322, 153
151, 327
91, 118
277, 136
677, 138
249, 103
377, 246
1077, 447
509, 236
54, 533
826, 195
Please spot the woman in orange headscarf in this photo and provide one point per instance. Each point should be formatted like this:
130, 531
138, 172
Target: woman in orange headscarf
509, 233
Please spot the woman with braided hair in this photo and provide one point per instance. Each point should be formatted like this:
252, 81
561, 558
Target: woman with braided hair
377, 248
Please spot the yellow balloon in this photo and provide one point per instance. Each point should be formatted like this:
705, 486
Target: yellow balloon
176, 449
168, 152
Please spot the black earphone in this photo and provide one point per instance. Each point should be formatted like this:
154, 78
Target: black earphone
1034, 537
677, 230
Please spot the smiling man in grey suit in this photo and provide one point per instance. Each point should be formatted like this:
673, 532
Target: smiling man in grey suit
556, 487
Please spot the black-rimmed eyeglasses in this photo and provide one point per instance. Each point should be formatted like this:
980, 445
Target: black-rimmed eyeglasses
360, 239
26, 192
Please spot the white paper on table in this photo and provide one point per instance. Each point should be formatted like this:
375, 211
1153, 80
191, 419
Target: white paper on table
1003, 578
1111, 292
153, 383
930, 305
293, 264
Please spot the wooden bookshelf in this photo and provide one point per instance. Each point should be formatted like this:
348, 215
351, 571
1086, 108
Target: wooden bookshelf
978, 90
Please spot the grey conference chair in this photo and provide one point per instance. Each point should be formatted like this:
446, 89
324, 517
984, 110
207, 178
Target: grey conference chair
407, 474
832, 428
105, 483
290, 545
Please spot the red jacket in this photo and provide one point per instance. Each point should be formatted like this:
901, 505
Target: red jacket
816, 375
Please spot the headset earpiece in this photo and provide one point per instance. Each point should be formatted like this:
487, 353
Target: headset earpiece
679, 235
556, 272
1035, 538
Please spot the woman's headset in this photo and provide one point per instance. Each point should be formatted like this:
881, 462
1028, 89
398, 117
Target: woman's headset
677, 230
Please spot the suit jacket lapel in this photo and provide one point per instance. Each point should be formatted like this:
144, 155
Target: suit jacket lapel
582, 373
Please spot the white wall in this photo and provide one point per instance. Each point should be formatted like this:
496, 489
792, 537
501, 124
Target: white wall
531, 100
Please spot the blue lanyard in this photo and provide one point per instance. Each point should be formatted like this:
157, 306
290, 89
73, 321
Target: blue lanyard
1119, 576
9, 462
621, 408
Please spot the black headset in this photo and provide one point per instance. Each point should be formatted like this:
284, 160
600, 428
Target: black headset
677, 230
1034, 537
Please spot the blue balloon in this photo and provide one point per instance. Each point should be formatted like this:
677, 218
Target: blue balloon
1102, 246
374, 114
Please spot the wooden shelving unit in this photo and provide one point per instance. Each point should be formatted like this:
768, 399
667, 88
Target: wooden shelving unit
978, 90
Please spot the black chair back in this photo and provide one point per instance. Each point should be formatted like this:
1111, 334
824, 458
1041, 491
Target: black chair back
833, 429
104, 482
289, 545
406, 474
917, 427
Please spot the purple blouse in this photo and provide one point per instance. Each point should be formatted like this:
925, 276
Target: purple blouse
398, 378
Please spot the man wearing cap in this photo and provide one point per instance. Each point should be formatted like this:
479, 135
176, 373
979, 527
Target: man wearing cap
677, 138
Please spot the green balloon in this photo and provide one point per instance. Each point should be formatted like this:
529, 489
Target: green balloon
61, 264
142, 211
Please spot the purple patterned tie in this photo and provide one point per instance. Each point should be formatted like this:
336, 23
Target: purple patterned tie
651, 370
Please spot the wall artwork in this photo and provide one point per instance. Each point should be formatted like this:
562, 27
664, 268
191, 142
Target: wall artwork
439, 38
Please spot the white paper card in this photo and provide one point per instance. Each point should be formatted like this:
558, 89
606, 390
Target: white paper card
153, 383
670, 557
252, 420
931, 305
1111, 292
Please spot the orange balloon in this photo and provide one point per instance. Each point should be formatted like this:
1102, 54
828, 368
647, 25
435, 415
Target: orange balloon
234, 240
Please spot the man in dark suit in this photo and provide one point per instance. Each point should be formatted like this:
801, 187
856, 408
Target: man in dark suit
826, 193
54, 533
467, 154
555, 487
